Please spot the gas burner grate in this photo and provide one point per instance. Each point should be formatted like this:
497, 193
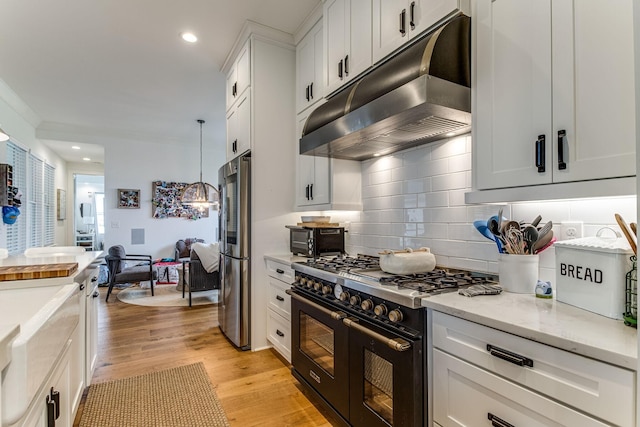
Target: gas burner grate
436, 280
345, 263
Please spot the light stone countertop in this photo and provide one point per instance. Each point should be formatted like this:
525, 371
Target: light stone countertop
546, 321
7, 334
88, 259
285, 258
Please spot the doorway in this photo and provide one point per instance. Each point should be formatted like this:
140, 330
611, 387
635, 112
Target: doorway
89, 211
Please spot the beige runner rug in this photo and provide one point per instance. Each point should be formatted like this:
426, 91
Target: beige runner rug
178, 397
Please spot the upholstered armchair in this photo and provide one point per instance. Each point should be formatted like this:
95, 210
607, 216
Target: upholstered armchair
183, 249
120, 273
198, 278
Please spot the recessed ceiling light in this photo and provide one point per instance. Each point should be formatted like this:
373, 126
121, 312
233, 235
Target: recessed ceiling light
86, 159
75, 147
189, 37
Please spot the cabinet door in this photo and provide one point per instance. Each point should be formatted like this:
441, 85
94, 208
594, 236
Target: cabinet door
358, 52
309, 69
390, 26
334, 34
513, 93
313, 174
231, 86
465, 395
243, 70
593, 89
232, 118
91, 341
423, 14
243, 129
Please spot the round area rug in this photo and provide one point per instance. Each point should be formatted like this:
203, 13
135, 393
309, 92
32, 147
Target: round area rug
166, 296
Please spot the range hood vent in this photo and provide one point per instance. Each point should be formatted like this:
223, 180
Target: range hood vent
420, 95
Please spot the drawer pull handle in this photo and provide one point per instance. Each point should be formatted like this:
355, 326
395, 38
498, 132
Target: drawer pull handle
279, 271
514, 358
279, 298
280, 333
498, 422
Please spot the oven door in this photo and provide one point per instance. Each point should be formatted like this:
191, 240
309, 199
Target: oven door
319, 349
386, 377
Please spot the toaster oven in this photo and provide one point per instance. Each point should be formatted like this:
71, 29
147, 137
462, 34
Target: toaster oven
316, 241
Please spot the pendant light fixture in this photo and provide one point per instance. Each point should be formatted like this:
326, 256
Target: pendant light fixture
201, 195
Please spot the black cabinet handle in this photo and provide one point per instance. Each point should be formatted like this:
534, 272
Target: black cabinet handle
307, 96
234, 146
540, 150
346, 65
280, 333
311, 191
562, 135
279, 298
307, 193
94, 278
514, 358
55, 397
311, 90
51, 413
412, 15
96, 294
498, 422
279, 271
403, 16
82, 286
234, 89
340, 69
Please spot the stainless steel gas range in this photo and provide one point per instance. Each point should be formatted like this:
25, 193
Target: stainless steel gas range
358, 337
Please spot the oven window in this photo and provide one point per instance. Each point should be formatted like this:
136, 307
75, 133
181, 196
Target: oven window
316, 341
378, 385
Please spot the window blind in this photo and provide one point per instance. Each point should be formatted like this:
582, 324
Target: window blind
35, 201
49, 204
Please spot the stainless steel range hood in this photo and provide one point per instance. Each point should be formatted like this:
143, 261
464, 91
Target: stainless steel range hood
419, 96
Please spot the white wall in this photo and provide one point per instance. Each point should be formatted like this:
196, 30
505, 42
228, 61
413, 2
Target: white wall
137, 166
415, 198
19, 122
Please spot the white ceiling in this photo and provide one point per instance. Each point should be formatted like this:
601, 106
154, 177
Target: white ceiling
96, 69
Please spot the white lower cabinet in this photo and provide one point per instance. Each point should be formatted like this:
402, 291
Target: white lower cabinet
480, 373
279, 307
91, 329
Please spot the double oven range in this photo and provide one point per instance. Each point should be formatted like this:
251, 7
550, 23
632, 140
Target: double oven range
358, 337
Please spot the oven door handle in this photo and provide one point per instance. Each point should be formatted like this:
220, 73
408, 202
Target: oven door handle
335, 315
397, 344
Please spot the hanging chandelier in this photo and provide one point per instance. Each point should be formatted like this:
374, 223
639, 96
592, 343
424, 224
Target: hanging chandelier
201, 195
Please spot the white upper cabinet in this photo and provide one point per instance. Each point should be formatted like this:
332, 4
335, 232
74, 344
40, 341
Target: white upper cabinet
347, 41
312, 185
239, 76
395, 22
239, 127
309, 69
554, 98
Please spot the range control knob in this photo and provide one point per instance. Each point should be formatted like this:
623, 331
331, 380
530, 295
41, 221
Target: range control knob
327, 289
354, 300
309, 283
395, 316
317, 286
344, 296
380, 310
301, 280
367, 304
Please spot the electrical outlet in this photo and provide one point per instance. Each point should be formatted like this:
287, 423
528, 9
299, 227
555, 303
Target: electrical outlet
571, 230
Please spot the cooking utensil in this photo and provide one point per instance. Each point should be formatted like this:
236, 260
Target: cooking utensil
548, 245
500, 218
542, 241
545, 229
627, 233
482, 228
530, 236
507, 225
536, 221
634, 228
515, 241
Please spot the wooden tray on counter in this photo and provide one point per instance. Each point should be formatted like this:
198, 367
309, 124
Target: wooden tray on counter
318, 224
39, 271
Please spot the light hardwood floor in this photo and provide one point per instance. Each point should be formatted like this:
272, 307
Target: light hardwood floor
254, 388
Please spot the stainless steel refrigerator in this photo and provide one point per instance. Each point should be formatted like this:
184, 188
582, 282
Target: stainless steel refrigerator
234, 227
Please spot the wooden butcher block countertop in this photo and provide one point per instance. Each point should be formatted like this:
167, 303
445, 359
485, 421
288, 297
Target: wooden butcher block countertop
37, 271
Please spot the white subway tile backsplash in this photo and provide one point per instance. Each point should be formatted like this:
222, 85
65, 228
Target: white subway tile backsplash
452, 181
416, 199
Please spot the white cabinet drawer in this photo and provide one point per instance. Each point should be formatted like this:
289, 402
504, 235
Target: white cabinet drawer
280, 271
465, 395
279, 333
594, 387
279, 301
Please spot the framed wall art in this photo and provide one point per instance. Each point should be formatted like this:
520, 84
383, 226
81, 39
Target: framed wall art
128, 198
61, 210
167, 202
